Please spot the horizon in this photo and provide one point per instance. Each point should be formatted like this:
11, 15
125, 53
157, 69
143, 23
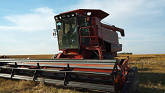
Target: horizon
54, 54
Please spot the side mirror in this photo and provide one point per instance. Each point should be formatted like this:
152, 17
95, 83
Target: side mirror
55, 33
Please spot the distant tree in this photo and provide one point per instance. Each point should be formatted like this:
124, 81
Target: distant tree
126, 53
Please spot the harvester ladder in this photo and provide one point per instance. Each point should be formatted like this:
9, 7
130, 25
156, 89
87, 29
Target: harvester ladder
89, 36
100, 48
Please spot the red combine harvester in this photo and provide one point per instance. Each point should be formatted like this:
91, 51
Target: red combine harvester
87, 58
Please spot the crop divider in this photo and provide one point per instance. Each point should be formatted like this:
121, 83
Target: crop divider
13, 70
36, 72
67, 74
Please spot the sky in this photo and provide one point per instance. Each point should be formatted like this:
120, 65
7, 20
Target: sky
26, 26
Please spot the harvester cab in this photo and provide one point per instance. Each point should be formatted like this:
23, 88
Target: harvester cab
82, 35
87, 60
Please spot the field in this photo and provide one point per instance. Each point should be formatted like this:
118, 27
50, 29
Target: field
151, 69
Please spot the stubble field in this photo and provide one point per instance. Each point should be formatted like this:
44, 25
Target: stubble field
151, 69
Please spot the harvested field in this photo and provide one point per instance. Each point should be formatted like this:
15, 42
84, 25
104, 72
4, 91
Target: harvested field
22, 86
151, 68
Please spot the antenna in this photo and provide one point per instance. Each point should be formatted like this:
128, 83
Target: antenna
78, 4
78, 7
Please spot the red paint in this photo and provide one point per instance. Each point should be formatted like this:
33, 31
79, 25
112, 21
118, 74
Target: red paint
94, 12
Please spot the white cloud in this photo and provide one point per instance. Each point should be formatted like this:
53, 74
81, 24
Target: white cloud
44, 10
29, 33
121, 9
41, 19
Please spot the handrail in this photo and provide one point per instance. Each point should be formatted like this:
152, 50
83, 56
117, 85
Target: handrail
89, 34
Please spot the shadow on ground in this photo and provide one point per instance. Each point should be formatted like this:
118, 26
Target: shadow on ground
151, 82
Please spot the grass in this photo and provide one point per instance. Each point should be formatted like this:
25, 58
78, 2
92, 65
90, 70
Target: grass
22, 86
151, 69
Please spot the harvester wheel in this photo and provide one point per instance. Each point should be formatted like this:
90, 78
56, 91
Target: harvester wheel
135, 83
132, 83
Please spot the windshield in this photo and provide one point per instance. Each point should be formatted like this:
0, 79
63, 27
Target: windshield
67, 33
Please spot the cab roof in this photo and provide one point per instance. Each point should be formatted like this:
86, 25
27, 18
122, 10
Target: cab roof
94, 12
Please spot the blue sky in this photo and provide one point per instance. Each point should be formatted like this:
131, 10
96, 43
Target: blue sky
26, 26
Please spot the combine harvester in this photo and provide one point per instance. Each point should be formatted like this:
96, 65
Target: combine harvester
87, 58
